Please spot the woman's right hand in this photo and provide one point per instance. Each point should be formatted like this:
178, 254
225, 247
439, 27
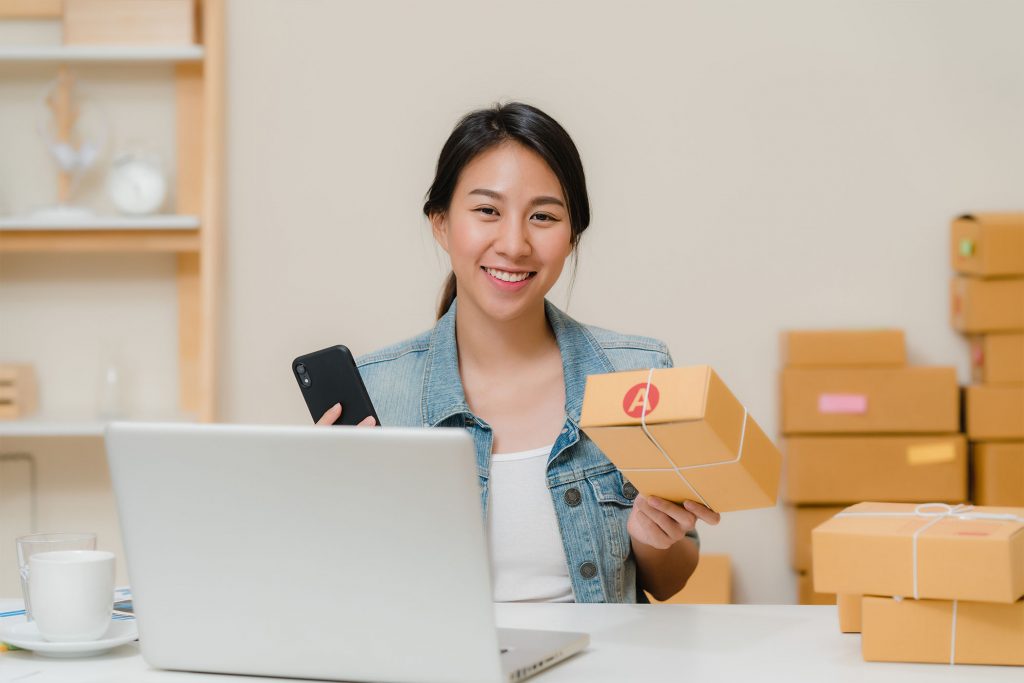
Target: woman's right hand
334, 412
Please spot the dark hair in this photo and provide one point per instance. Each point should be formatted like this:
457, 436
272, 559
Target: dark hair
483, 129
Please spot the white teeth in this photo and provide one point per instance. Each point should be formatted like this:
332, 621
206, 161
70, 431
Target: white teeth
506, 276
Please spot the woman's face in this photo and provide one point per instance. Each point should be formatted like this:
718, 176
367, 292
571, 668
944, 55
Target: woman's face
507, 231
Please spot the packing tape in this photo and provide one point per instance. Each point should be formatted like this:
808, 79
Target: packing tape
672, 465
945, 511
931, 454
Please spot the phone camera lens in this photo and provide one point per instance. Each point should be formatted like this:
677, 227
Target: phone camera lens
301, 369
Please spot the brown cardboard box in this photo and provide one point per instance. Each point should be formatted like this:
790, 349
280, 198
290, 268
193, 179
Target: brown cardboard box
712, 449
870, 400
807, 596
802, 521
849, 608
925, 631
957, 558
899, 469
998, 473
18, 390
994, 412
153, 22
998, 359
988, 244
832, 348
711, 583
987, 305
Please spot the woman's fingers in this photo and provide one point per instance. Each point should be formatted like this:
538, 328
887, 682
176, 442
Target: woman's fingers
334, 412
647, 530
331, 416
671, 514
704, 514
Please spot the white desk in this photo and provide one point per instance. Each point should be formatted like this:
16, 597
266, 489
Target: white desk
655, 643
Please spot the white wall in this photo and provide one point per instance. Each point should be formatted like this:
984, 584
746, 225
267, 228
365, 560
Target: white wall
753, 167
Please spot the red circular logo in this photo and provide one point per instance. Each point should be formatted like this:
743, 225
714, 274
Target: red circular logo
634, 400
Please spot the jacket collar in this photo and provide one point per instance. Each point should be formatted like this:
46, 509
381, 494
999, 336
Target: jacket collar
443, 395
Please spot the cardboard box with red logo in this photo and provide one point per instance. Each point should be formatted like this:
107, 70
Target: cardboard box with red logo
843, 348
998, 359
681, 434
924, 551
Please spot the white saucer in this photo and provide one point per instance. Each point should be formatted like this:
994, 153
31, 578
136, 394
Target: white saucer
25, 634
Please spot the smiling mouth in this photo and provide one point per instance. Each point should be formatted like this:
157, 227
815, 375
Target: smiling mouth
506, 276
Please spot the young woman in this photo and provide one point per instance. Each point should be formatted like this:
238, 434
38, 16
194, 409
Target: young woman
509, 205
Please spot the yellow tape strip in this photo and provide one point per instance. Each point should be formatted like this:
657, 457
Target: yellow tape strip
931, 454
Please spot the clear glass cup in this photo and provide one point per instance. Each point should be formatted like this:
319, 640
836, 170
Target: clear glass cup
41, 543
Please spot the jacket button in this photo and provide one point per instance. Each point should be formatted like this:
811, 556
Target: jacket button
629, 491
588, 570
572, 497
469, 421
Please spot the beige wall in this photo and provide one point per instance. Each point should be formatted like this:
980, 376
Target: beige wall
752, 166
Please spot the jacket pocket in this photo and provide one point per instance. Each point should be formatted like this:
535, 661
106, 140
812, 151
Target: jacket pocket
613, 510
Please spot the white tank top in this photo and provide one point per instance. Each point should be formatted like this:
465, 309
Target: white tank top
527, 555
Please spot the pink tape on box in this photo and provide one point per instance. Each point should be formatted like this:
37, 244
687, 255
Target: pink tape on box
842, 404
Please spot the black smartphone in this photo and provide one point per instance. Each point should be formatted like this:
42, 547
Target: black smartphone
330, 376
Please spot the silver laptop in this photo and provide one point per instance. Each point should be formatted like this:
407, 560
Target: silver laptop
338, 554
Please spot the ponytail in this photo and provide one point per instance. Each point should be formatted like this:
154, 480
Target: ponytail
447, 295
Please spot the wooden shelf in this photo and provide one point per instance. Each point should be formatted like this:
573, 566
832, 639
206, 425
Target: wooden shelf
158, 222
101, 53
165, 233
193, 236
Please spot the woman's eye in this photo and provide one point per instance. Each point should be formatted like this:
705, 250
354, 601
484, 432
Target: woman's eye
487, 210
543, 217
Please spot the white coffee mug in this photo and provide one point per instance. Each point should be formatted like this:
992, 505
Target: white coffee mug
72, 593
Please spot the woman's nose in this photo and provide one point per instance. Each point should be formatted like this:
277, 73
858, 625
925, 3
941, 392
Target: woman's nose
513, 238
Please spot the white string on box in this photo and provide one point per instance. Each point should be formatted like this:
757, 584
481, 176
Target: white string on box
952, 634
946, 511
672, 465
952, 638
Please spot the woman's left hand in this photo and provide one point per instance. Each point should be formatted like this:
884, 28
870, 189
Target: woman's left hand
660, 523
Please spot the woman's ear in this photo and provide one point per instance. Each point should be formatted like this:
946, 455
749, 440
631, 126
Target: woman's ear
439, 226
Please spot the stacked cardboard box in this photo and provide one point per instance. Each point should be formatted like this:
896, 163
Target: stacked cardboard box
939, 583
680, 434
860, 424
711, 583
987, 303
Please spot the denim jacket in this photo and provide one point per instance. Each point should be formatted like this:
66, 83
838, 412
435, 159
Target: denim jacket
417, 383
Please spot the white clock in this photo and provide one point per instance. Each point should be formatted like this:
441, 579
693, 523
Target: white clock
137, 184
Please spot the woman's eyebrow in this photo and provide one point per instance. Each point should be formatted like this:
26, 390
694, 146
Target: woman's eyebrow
536, 201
